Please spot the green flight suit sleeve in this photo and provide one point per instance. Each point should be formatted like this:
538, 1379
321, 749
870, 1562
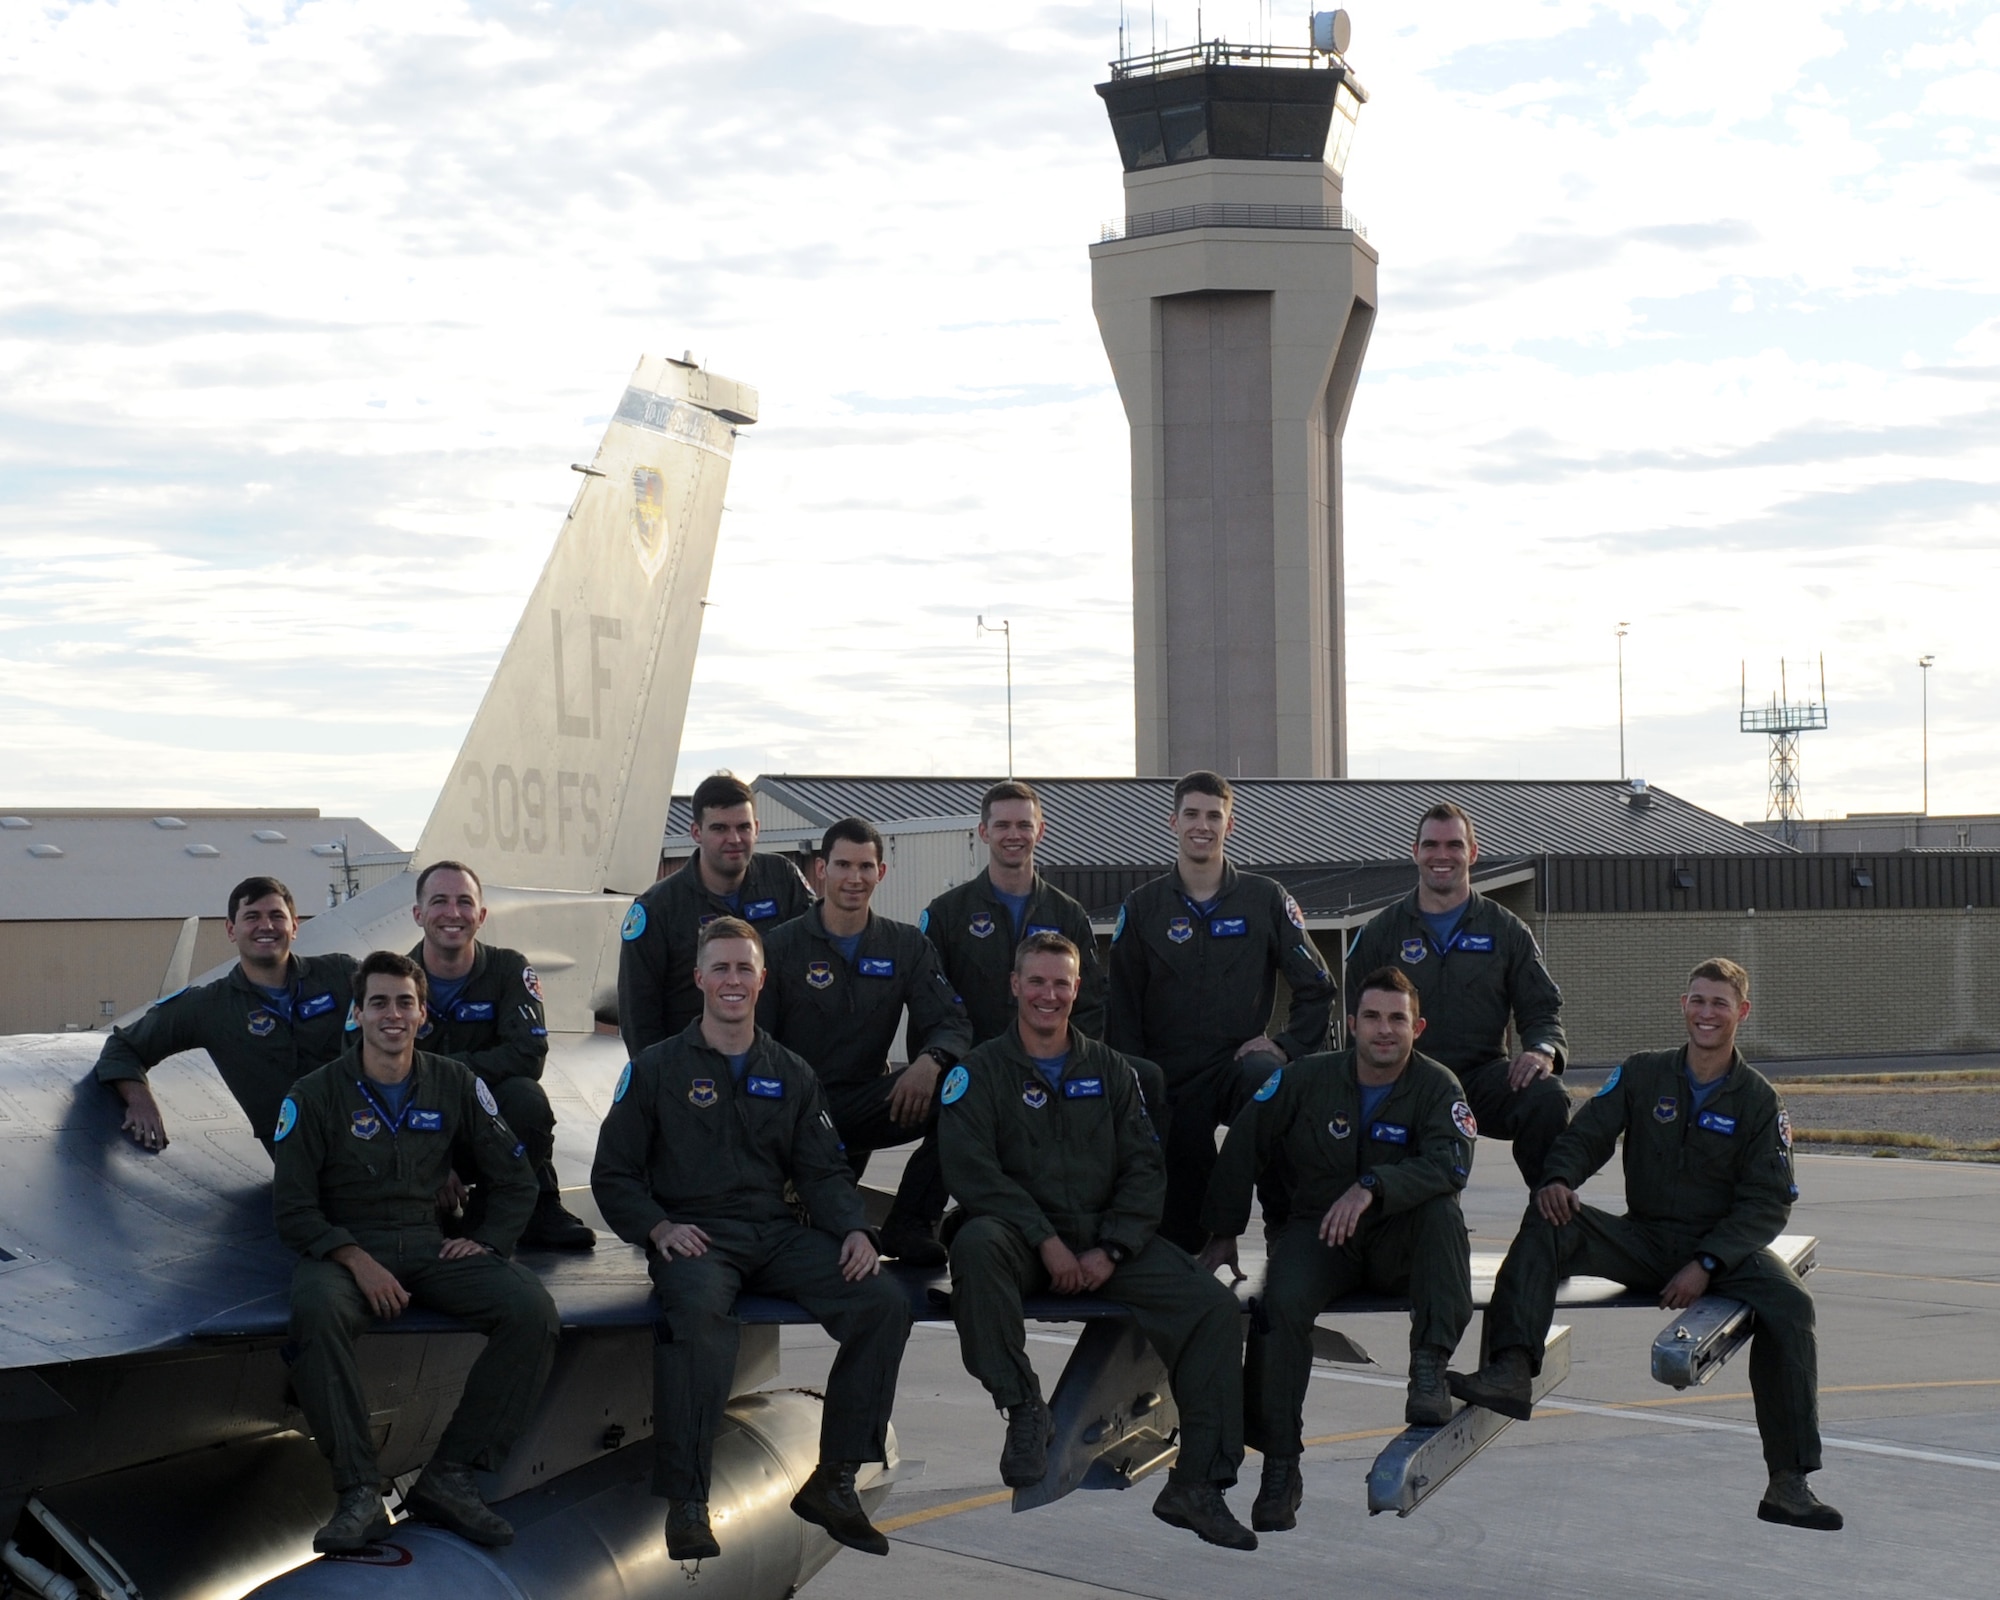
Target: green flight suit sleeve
820, 1171
1764, 1190
1369, 952
299, 1158
969, 1149
1592, 1135
1311, 984
620, 1179
521, 1051
1535, 1000
1257, 1131
507, 1177
1441, 1164
1125, 988
1141, 1193
642, 980
937, 1017
167, 1028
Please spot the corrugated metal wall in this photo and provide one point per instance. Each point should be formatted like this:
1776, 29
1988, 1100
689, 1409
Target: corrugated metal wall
1931, 881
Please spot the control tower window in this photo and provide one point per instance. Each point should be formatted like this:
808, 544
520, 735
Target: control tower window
1186, 130
1298, 133
1345, 109
1139, 140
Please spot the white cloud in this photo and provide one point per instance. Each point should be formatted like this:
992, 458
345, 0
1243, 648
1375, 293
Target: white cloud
304, 312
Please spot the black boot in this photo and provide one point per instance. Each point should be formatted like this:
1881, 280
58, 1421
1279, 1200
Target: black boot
1429, 1404
688, 1535
1024, 1458
912, 1242
360, 1520
1276, 1508
447, 1496
1790, 1502
1200, 1508
828, 1500
1504, 1384
551, 1227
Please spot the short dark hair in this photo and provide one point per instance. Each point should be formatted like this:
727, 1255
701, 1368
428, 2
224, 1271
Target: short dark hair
424, 877
1444, 811
726, 928
394, 964
256, 889
1204, 782
855, 830
1394, 979
1046, 942
722, 791
1720, 969
1011, 789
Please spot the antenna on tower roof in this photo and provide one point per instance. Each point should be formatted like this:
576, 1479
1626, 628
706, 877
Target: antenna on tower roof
1782, 721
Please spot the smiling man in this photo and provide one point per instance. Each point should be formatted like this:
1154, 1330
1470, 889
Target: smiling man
1378, 1141
713, 1139
1049, 1149
725, 877
1708, 1186
485, 1012
272, 1018
1194, 969
1476, 966
362, 1146
840, 980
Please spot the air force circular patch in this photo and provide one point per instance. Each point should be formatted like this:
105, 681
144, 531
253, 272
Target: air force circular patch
924, 920
624, 1083
1292, 911
1784, 1130
531, 980
288, 1119
956, 1082
487, 1103
1118, 928
634, 923
1611, 1082
1270, 1085
1463, 1119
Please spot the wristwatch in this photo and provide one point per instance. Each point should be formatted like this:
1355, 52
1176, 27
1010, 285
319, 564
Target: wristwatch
1117, 1252
1708, 1263
1369, 1181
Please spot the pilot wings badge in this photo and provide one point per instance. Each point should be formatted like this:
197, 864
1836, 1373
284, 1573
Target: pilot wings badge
649, 518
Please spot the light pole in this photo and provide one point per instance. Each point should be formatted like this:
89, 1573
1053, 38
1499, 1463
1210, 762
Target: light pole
1006, 629
1925, 663
1622, 629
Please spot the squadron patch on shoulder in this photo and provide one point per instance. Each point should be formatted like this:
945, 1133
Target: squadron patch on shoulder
1784, 1130
1294, 914
956, 1082
634, 923
1270, 1086
1665, 1107
624, 1083
819, 974
1611, 1082
174, 996
701, 1093
1118, 927
353, 1023
981, 926
1463, 1119
924, 920
262, 1024
288, 1119
532, 981
1034, 1096
485, 1098
1413, 951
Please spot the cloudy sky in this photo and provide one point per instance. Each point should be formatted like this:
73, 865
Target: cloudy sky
305, 309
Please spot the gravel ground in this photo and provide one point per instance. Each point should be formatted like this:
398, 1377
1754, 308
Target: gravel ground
1957, 1114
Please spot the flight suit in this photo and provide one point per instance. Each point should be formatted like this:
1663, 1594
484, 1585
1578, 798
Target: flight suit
843, 1019
1187, 989
258, 1051
350, 1173
656, 993
1077, 1160
973, 932
1492, 970
1417, 1152
1717, 1183
497, 1029
685, 1141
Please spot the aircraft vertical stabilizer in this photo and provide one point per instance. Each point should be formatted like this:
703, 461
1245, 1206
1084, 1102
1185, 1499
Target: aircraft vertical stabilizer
565, 776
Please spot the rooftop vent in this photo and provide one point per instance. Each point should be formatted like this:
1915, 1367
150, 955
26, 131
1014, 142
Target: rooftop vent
268, 836
203, 850
1637, 795
326, 849
15, 822
46, 851
168, 822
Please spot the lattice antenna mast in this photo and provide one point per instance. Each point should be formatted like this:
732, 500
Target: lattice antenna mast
1782, 721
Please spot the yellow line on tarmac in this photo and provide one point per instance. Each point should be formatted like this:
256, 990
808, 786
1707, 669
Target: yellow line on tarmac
977, 1502
1912, 1277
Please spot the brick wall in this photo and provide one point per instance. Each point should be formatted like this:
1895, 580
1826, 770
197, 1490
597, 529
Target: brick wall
1822, 983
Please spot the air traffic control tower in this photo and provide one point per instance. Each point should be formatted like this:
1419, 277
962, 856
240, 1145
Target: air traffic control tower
1235, 300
